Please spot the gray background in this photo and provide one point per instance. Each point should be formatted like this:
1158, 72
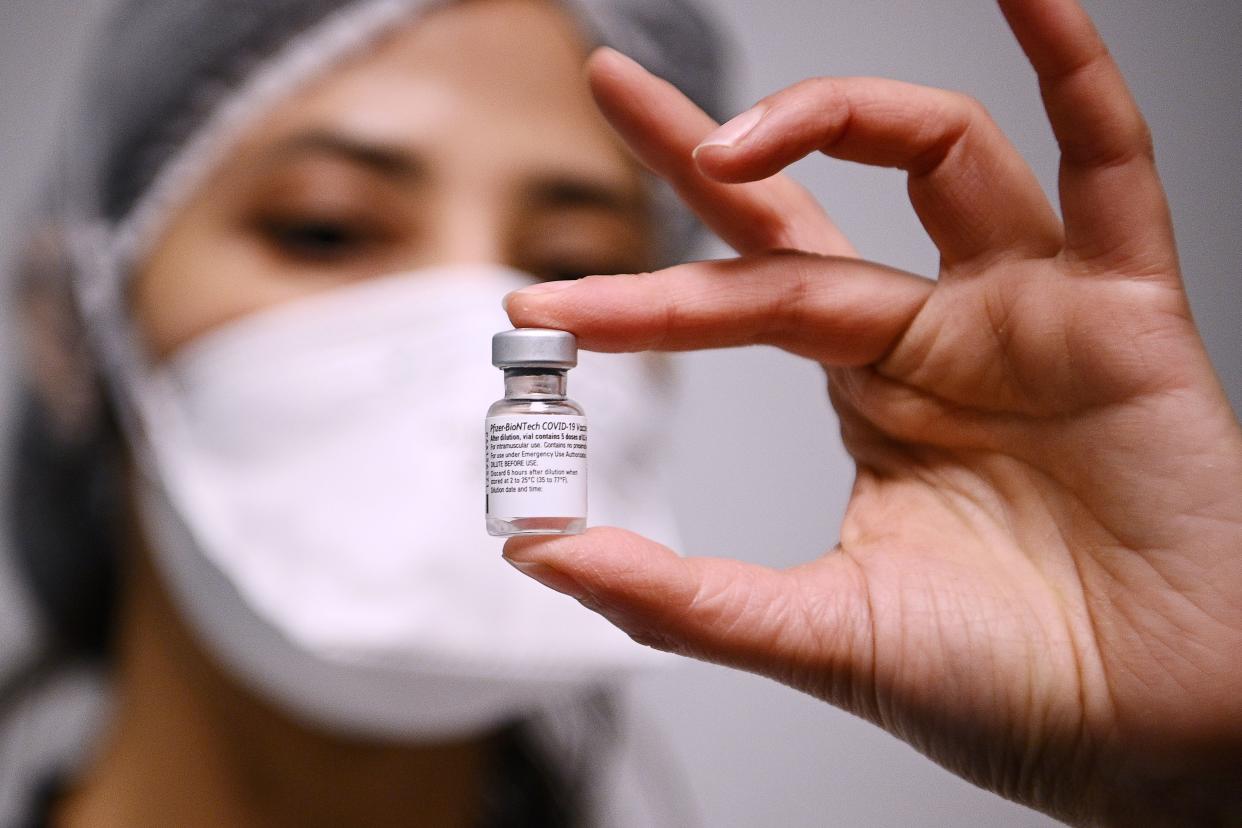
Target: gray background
754, 753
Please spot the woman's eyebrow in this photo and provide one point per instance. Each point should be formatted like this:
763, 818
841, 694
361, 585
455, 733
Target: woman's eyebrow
567, 191
387, 160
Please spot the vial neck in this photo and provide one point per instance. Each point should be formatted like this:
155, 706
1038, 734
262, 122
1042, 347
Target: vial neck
534, 384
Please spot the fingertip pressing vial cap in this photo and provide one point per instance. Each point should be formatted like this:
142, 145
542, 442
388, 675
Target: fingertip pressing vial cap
534, 348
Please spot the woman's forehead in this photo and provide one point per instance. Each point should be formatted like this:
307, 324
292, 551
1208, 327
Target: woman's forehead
492, 83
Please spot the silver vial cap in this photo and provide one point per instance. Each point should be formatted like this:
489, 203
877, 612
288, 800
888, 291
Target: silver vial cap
534, 348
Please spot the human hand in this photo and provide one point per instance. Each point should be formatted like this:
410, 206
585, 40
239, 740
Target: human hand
1039, 577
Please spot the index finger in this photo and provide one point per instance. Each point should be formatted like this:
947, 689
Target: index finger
662, 126
835, 310
1112, 201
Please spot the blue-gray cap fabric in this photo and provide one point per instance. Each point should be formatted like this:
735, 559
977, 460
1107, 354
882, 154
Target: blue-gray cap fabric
159, 67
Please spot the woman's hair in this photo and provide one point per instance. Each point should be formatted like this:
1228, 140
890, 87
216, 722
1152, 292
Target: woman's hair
65, 487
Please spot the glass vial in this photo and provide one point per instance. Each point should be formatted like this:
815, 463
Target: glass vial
535, 438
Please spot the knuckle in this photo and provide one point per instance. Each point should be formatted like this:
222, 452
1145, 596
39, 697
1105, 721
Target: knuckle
815, 99
1142, 142
938, 136
790, 312
817, 87
1103, 149
972, 108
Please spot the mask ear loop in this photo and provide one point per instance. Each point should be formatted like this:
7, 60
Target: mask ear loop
140, 396
99, 290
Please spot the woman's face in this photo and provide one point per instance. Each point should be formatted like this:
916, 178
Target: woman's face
468, 136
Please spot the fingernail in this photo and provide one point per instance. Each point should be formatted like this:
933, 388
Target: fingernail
731, 133
536, 290
614, 54
549, 577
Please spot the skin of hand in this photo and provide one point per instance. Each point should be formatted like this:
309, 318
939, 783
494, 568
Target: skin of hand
1038, 582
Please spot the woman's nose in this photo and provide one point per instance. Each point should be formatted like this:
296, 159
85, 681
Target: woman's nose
469, 231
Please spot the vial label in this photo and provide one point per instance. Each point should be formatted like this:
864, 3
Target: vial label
536, 465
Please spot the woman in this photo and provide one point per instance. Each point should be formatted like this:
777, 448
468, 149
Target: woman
257, 328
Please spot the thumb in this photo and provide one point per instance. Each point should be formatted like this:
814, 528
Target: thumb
807, 626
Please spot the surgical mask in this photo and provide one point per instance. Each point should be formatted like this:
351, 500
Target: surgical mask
312, 486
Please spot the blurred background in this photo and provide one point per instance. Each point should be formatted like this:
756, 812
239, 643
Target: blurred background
748, 751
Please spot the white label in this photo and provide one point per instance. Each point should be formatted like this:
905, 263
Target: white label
536, 465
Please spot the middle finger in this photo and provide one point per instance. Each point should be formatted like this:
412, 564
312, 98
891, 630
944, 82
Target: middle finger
662, 126
971, 189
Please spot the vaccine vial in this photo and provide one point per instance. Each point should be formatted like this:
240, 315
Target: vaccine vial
535, 438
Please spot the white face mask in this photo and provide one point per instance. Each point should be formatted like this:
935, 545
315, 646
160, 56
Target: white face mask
313, 487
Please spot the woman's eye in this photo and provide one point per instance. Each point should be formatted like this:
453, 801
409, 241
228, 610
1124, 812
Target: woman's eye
317, 240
